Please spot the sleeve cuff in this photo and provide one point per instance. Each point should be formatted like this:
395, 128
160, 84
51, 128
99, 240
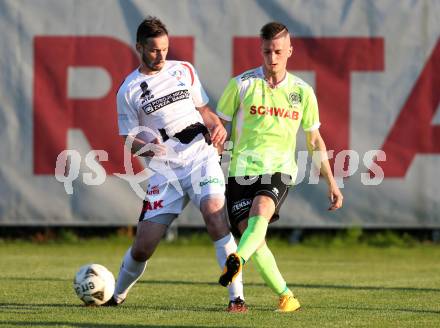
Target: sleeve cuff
202, 104
223, 116
313, 127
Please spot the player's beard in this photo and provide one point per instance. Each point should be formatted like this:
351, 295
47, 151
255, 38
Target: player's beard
269, 71
152, 65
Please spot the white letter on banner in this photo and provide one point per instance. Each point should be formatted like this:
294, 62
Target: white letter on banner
318, 157
369, 161
94, 165
352, 165
67, 168
301, 164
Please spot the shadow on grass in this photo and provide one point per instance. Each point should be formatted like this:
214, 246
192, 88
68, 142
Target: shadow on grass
34, 279
402, 289
210, 283
356, 308
20, 306
85, 325
312, 286
29, 308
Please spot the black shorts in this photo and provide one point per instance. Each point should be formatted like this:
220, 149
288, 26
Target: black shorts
239, 196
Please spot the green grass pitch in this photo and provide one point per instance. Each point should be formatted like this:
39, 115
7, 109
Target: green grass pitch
356, 286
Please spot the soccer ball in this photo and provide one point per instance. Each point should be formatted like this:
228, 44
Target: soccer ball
94, 284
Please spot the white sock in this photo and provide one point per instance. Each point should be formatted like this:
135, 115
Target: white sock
224, 247
129, 273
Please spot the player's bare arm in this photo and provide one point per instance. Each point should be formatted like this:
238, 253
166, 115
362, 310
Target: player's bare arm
141, 148
214, 125
315, 143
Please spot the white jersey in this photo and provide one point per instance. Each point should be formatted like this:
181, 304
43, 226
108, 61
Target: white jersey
166, 100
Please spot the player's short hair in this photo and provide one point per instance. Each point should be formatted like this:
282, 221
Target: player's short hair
271, 30
151, 27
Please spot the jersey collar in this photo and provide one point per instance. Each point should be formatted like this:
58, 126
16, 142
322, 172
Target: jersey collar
282, 83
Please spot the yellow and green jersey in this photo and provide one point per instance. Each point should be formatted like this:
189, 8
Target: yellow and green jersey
265, 122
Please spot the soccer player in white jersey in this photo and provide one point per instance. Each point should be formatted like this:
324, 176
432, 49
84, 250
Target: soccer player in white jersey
267, 105
165, 100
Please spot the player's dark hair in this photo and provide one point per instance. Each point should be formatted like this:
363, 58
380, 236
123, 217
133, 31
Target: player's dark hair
151, 27
271, 30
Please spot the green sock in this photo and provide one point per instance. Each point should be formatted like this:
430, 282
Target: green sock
252, 237
268, 269
287, 292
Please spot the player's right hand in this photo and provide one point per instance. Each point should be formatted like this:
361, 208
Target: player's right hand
335, 197
218, 135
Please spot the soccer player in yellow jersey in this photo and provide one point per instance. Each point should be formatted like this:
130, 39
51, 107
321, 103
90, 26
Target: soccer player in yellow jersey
266, 106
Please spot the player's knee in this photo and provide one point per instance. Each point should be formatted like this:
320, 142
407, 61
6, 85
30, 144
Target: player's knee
262, 205
140, 254
212, 206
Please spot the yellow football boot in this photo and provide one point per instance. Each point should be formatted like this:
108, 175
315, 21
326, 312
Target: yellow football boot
288, 303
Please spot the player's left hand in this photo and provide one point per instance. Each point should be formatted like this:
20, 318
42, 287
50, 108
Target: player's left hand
335, 196
218, 134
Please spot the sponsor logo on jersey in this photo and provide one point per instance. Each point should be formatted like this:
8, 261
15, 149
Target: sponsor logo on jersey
146, 94
161, 102
274, 111
243, 203
211, 180
154, 190
248, 75
295, 98
151, 206
178, 75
